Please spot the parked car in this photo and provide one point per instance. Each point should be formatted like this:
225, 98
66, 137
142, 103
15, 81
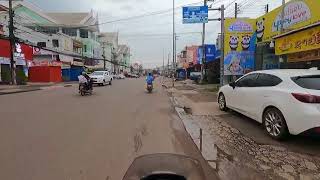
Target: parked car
285, 101
195, 76
101, 78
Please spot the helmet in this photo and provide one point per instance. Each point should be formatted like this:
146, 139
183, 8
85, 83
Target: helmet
149, 74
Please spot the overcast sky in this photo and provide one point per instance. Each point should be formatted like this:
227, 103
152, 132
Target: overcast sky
150, 37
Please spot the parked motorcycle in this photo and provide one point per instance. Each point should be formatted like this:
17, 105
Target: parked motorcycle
164, 167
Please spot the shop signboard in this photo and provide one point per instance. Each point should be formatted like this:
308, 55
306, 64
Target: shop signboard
240, 40
199, 55
210, 52
305, 40
297, 14
39, 51
47, 63
304, 56
195, 14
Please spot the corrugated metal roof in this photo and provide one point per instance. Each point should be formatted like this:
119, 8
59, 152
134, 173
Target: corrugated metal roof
69, 18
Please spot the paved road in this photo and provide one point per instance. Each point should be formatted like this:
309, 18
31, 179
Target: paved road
57, 134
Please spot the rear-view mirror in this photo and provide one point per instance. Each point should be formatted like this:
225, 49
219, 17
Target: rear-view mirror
233, 85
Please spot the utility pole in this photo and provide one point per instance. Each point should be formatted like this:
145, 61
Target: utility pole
162, 62
282, 16
173, 35
222, 47
12, 45
204, 68
236, 10
104, 56
168, 64
267, 8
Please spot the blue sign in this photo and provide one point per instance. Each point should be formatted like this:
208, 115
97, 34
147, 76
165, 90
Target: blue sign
199, 55
210, 52
195, 14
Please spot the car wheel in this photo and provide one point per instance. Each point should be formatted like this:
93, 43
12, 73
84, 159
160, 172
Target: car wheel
222, 102
104, 83
274, 124
110, 82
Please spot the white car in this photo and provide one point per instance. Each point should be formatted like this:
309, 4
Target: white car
285, 101
101, 78
121, 76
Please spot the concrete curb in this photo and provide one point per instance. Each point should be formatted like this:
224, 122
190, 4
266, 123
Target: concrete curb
19, 91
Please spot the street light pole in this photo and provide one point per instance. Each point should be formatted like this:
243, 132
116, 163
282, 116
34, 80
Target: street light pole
173, 36
12, 45
222, 47
203, 70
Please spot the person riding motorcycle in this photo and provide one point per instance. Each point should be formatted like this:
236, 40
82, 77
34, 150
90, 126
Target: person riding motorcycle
150, 79
86, 80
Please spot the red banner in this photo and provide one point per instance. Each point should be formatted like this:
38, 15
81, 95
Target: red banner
25, 49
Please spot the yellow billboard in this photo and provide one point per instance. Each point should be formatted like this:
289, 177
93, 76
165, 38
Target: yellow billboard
238, 33
305, 40
240, 42
297, 14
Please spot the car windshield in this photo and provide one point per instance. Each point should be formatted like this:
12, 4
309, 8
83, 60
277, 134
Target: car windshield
96, 73
308, 82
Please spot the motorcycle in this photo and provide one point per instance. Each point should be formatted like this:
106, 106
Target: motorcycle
149, 88
83, 89
164, 167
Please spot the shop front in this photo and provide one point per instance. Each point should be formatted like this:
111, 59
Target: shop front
297, 16
45, 71
300, 48
23, 58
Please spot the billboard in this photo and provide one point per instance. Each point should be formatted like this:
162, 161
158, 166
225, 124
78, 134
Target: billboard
210, 52
297, 14
195, 14
305, 40
240, 43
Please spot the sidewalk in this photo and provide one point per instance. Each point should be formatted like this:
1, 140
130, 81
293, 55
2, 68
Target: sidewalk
13, 89
199, 99
230, 152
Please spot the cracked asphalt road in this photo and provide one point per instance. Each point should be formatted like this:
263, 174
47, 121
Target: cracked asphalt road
57, 134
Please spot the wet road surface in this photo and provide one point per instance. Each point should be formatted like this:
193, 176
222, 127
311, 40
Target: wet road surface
57, 134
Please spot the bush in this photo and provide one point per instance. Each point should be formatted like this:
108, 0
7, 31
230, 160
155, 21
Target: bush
21, 77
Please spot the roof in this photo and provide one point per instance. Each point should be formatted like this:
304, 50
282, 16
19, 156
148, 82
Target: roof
290, 72
69, 18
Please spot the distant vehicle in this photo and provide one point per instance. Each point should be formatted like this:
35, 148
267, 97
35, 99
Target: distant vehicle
285, 101
195, 76
121, 76
101, 78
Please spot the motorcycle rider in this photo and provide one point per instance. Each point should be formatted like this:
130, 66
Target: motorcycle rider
150, 79
85, 78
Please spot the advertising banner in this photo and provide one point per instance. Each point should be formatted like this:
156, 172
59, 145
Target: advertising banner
297, 14
305, 40
240, 43
210, 52
195, 14
200, 52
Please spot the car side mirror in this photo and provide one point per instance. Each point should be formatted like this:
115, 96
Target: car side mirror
233, 85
